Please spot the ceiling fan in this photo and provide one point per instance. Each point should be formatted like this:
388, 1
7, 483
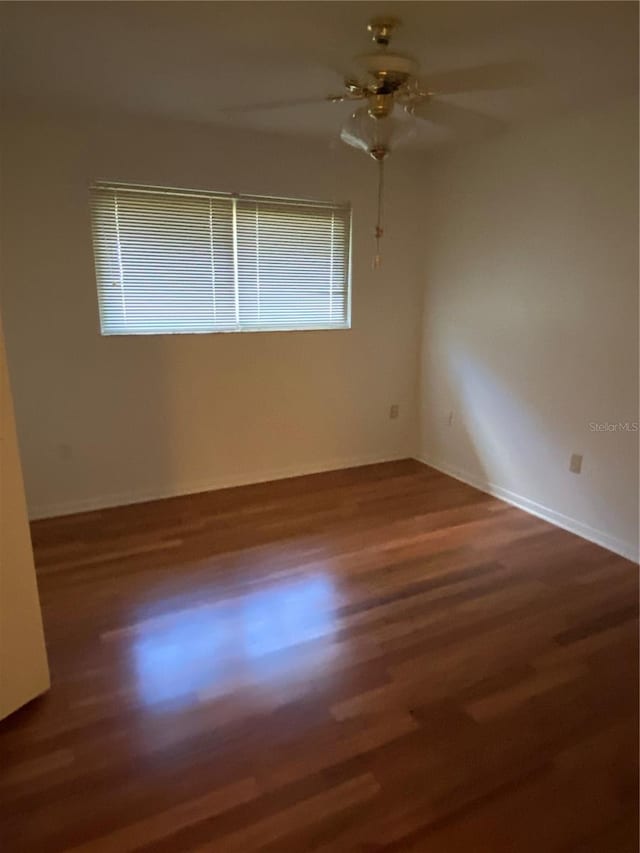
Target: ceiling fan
390, 84
394, 95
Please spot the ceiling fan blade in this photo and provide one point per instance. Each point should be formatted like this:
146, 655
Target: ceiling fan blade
277, 105
460, 120
497, 75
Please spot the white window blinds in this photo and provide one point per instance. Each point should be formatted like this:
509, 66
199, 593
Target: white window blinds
184, 261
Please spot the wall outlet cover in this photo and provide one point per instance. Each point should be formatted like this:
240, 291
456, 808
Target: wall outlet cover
575, 463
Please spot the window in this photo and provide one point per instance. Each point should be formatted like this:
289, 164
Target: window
184, 261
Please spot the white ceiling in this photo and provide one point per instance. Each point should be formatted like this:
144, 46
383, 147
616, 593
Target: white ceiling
189, 60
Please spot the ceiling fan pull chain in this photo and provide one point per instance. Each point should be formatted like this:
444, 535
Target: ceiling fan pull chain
379, 229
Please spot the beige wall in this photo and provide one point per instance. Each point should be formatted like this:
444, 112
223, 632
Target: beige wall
24, 673
106, 420
530, 329
529, 334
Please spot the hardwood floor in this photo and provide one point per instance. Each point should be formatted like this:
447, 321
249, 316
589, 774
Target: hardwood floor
378, 659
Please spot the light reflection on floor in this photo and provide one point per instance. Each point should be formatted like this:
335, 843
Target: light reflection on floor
213, 646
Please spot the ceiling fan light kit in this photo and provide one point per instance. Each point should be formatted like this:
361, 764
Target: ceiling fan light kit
378, 130
377, 135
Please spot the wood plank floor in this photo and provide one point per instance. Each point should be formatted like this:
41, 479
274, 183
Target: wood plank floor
378, 659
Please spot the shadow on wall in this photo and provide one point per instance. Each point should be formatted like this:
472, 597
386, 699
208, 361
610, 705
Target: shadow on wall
472, 419
474, 426
444, 418
499, 428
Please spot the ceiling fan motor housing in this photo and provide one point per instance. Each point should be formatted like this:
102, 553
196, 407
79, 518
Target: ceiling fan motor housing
389, 71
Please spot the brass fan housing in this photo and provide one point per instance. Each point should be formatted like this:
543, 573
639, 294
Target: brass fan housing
380, 106
381, 29
387, 77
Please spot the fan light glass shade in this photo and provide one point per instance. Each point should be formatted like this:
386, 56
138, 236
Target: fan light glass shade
361, 130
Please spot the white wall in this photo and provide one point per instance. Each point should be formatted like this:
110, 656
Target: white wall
106, 420
530, 329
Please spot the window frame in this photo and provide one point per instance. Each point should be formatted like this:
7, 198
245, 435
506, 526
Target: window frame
345, 208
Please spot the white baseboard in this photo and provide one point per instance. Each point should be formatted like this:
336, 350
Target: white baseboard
612, 543
53, 510
566, 522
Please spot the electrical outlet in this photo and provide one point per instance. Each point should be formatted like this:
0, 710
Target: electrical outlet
394, 411
575, 463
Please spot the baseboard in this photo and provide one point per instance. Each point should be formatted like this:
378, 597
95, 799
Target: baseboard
54, 510
566, 522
